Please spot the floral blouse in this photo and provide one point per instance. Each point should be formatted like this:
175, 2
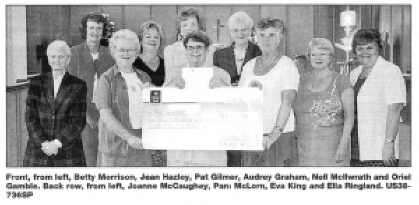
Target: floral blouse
323, 108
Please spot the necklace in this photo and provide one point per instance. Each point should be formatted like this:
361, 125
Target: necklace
266, 65
150, 61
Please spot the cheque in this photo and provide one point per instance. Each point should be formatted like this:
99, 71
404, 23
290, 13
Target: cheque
202, 119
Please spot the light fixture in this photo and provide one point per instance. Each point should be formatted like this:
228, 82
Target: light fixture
348, 22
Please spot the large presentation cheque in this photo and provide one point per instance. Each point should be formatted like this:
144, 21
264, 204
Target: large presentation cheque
202, 119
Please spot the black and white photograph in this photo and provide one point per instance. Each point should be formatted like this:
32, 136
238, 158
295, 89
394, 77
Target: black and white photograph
294, 102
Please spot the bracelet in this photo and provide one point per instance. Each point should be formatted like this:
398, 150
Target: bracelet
390, 141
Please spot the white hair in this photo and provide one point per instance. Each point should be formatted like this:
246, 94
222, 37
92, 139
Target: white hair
60, 44
240, 17
124, 34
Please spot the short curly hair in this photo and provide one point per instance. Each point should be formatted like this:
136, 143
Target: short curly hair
269, 22
197, 36
93, 17
366, 36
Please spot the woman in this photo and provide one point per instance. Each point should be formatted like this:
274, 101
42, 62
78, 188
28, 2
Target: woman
89, 61
151, 37
278, 77
189, 20
380, 94
55, 137
233, 58
196, 44
324, 111
120, 144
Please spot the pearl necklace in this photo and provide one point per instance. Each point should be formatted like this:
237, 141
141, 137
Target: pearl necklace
266, 65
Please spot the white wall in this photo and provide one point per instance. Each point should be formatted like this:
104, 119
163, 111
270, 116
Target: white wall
16, 53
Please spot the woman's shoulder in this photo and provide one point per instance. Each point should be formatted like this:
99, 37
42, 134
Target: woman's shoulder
173, 47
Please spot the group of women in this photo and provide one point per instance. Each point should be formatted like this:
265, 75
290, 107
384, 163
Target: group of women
338, 120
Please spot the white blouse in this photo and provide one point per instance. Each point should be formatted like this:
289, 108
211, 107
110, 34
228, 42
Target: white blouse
384, 86
283, 76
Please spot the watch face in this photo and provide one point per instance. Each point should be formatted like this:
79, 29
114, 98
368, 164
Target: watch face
155, 96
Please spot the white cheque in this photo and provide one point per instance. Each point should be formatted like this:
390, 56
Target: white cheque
208, 119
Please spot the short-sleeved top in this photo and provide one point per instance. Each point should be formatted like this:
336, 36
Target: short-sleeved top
323, 108
157, 77
112, 93
283, 76
384, 86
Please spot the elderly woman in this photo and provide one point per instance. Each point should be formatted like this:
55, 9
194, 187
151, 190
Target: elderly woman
151, 37
233, 58
56, 114
89, 61
380, 94
324, 110
277, 76
120, 144
189, 20
196, 44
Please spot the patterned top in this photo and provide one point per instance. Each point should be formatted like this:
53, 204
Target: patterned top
323, 108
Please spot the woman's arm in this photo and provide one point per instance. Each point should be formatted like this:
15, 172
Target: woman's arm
33, 122
392, 128
348, 123
115, 126
288, 97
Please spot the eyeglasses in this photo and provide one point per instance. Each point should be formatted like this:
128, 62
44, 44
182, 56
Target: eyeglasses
197, 48
125, 50
237, 30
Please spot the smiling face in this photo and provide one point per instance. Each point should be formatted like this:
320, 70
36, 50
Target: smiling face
58, 58
268, 39
151, 39
320, 58
188, 25
196, 53
240, 33
124, 53
367, 54
94, 31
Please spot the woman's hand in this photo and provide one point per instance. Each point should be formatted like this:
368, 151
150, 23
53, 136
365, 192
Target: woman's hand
271, 138
388, 154
255, 84
342, 150
217, 82
49, 148
177, 82
135, 142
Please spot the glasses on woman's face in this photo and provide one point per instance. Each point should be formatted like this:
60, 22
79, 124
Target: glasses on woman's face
198, 48
240, 30
125, 50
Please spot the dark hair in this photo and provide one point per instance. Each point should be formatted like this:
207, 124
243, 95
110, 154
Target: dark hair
269, 22
366, 36
197, 36
94, 17
190, 12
